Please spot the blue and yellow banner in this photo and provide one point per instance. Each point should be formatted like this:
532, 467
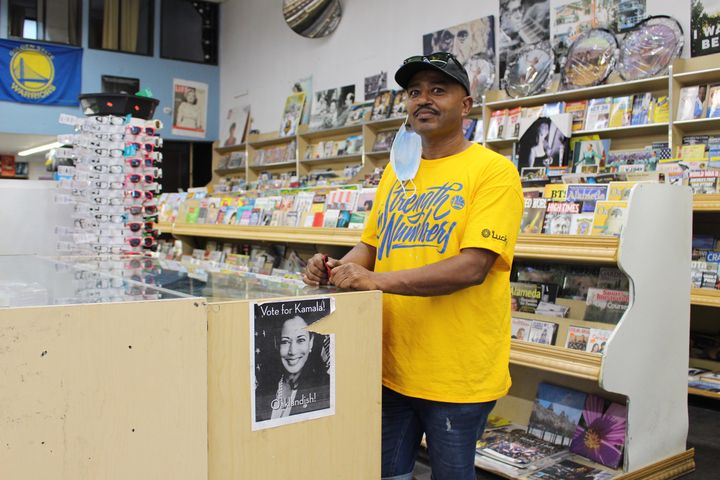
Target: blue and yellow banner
39, 73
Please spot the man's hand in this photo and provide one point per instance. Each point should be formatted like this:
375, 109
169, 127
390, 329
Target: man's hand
351, 276
316, 271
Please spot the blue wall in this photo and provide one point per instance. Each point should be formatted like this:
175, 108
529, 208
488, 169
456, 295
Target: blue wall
154, 73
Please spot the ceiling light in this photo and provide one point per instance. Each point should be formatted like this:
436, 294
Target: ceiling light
41, 148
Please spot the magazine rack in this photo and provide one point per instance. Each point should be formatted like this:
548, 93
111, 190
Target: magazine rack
644, 364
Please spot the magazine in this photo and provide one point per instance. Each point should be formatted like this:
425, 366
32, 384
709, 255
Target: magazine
604, 305
382, 106
612, 278
577, 282
609, 217
590, 153
600, 435
525, 296
533, 215
558, 217
713, 102
399, 108
597, 340
520, 329
383, 140
514, 446
661, 109
598, 113
512, 126
641, 108
292, 114
577, 338
577, 109
556, 413
567, 469
543, 332
581, 224
620, 111
496, 128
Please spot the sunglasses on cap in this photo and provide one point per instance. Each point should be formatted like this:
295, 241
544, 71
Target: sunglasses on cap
439, 58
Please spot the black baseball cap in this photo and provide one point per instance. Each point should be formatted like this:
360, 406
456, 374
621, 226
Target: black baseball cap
443, 62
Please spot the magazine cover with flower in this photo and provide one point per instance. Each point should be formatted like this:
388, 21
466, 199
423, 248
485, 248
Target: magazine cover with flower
600, 435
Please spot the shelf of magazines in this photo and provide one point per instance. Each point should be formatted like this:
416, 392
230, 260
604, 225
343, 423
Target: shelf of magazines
705, 297
573, 248
617, 132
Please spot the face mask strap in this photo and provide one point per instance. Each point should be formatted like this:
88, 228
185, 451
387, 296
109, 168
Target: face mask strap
414, 189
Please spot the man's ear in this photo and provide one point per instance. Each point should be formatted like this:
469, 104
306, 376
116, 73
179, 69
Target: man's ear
467, 105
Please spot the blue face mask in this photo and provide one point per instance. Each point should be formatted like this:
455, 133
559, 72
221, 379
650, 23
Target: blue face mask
405, 154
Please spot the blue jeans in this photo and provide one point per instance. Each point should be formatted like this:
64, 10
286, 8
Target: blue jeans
451, 430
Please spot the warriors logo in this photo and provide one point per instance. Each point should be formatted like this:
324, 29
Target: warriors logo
32, 71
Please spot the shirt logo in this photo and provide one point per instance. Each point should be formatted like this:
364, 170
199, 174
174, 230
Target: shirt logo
417, 221
487, 233
457, 202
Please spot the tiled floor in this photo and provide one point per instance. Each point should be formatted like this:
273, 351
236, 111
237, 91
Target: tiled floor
704, 436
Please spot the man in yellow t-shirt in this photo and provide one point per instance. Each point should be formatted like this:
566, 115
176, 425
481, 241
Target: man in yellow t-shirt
441, 248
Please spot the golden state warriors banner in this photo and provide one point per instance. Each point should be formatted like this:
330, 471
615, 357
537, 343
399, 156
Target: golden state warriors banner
39, 73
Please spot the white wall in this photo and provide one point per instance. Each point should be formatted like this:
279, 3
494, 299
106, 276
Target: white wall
260, 57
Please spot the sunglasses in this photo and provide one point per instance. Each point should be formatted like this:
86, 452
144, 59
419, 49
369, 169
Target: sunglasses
135, 242
135, 146
136, 263
438, 58
138, 130
139, 194
137, 178
139, 209
102, 217
137, 226
137, 162
99, 168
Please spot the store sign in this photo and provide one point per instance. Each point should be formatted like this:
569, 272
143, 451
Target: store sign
39, 73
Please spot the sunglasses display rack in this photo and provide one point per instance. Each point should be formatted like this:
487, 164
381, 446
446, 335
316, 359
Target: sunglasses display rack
112, 183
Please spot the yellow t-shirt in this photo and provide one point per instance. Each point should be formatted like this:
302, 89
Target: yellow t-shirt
451, 348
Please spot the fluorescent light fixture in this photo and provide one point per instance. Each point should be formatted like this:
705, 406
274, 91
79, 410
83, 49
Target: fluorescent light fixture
41, 148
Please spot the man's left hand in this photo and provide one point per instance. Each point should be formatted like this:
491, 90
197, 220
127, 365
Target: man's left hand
351, 276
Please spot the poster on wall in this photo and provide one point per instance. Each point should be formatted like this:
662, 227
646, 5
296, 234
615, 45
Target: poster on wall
375, 84
473, 43
574, 17
190, 108
292, 113
233, 125
293, 369
522, 22
704, 27
330, 108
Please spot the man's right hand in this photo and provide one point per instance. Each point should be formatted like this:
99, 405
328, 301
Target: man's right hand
316, 272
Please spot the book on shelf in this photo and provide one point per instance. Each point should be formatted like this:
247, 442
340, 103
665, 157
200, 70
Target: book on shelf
606, 306
512, 128
713, 101
556, 413
598, 113
553, 108
383, 140
359, 113
399, 104
661, 109
620, 111
642, 104
577, 110
498, 121
692, 102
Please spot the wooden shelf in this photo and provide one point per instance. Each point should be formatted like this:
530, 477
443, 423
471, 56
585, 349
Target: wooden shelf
330, 132
165, 227
230, 171
627, 131
576, 248
339, 158
268, 139
607, 90
697, 77
705, 296
703, 393
266, 166
385, 123
231, 148
565, 361
698, 125
501, 142
706, 203
311, 235
378, 155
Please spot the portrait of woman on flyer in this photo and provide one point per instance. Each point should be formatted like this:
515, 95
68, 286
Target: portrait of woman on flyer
292, 368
